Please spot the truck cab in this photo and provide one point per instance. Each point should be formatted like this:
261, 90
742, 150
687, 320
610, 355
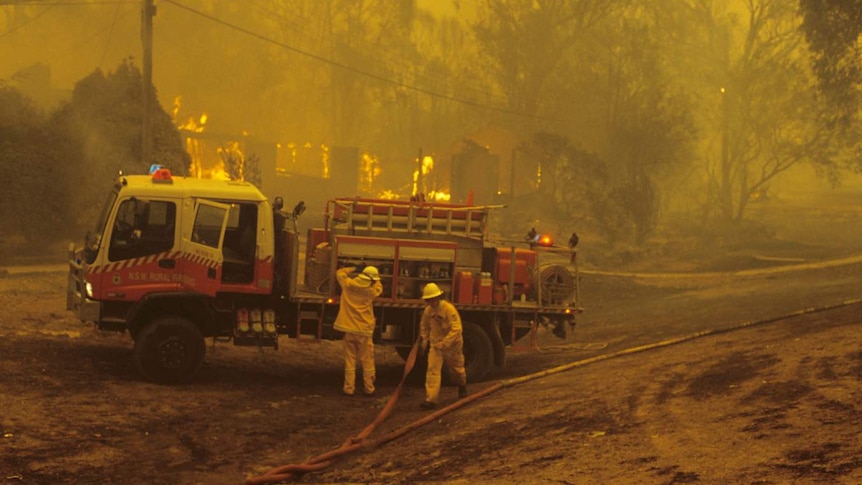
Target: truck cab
175, 246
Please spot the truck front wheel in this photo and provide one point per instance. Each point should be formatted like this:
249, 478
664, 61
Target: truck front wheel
169, 350
478, 353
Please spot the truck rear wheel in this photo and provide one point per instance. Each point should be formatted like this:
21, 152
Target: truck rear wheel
478, 356
478, 353
169, 350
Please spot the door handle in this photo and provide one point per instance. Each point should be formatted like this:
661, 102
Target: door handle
167, 263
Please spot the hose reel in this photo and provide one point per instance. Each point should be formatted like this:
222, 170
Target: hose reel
555, 284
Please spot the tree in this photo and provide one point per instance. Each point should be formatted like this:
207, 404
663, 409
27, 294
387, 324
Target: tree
99, 135
832, 28
28, 215
239, 166
523, 42
576, 189
756, 84
648, 129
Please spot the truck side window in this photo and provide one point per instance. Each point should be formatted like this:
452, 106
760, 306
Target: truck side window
142, 228
207, 228
240, 244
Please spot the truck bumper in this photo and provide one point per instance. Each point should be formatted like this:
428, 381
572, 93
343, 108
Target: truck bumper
77, 301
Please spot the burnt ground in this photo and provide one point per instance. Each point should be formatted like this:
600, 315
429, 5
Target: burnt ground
773, 402
769, 394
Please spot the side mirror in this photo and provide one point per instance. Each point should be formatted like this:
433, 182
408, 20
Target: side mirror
91, 247
90, 255
299, 209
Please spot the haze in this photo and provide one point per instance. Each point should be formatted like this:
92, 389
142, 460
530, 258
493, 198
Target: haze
610, 117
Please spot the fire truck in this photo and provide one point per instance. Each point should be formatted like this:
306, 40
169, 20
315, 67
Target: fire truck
175, 260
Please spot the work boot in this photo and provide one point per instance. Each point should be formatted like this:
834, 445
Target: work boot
462, 392
428, 405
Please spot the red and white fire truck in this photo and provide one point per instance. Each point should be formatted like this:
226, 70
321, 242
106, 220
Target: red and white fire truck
174, 260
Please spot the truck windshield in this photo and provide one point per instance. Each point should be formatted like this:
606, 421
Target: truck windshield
94, 240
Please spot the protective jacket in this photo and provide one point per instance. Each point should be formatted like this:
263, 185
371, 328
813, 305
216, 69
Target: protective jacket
441, 325
356, 311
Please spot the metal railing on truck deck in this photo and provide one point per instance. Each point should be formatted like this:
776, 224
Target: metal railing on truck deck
408, 217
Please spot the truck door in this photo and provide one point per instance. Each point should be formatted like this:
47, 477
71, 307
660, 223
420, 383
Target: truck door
203, 238
140, 256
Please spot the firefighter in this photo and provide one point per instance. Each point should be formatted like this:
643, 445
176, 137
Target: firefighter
440, 334
573, 244
356, 319
532, 238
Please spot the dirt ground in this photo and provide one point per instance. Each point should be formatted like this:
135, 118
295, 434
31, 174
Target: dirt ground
736, 376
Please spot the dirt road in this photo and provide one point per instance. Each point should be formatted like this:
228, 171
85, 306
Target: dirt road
774, 402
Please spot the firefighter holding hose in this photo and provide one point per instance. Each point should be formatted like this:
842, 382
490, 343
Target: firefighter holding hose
441, 336
356, 319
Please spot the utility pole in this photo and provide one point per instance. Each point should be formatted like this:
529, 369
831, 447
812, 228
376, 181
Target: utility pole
726, 188
148, 11
417, 188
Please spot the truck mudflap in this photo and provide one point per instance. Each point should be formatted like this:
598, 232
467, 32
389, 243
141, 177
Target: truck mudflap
76, 289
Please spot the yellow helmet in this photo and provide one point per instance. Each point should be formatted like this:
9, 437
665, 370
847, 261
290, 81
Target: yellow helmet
370, 273
431, 290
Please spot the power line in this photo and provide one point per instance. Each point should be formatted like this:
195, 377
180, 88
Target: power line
76, 47
51, 5
110, 35
37, 3
355, 70
296, 22
23, 24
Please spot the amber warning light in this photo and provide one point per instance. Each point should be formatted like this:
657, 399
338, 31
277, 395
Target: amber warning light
546, 241
160, 174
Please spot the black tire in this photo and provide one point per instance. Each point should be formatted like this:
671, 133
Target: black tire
478, 353
169, 350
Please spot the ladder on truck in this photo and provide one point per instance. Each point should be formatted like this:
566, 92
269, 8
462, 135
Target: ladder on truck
375, 215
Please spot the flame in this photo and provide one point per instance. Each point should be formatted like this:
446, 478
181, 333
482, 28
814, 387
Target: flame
178, 102
324, 150
196, 126
440, 196
218, 172
300, 158
427, 164
422, 174
194, 146
369, 170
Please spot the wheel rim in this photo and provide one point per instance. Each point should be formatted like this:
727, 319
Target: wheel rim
173, 354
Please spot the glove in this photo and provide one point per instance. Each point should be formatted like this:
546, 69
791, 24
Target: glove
423, 347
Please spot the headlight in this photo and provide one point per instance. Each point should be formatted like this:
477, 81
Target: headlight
89, 289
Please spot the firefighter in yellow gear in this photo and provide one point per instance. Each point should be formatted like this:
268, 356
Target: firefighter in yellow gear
440, 333
356, 319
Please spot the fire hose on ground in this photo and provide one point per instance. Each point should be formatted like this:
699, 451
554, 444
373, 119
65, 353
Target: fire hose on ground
288, 472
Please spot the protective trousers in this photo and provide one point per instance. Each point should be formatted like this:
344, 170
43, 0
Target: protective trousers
358, 348
453, 358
